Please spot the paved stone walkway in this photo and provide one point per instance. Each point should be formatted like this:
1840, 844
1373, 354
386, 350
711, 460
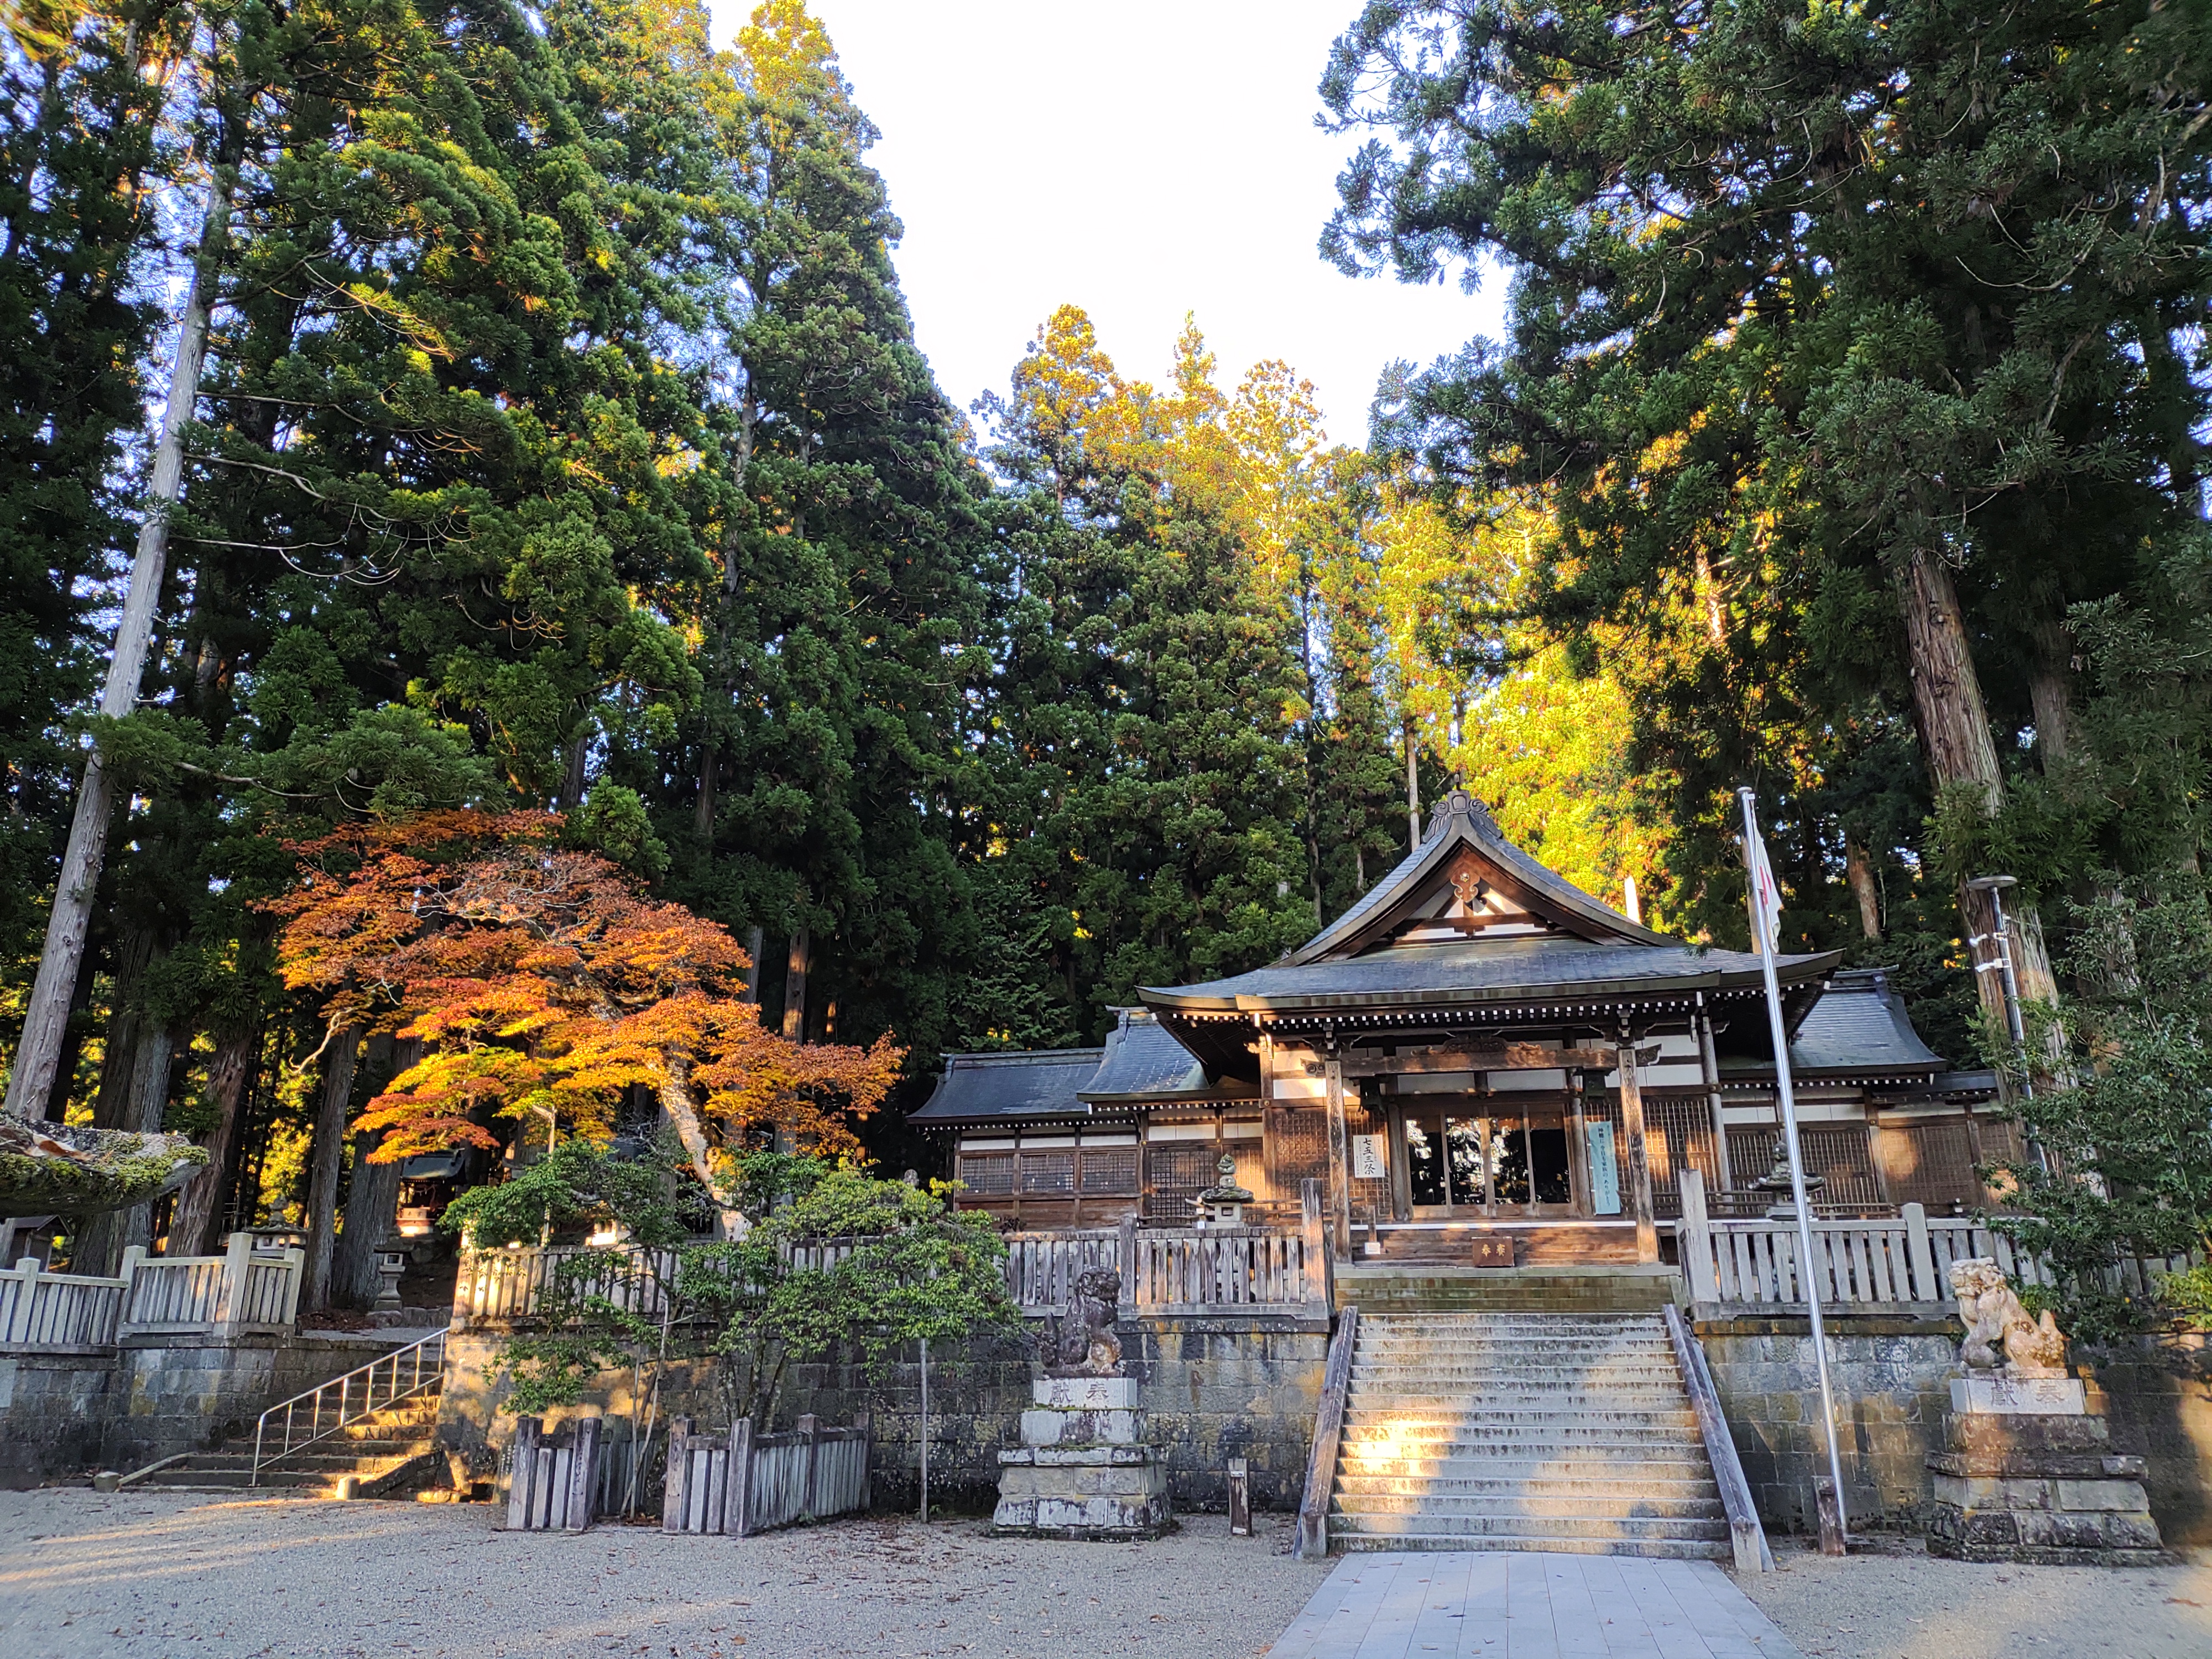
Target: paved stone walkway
1526, 1604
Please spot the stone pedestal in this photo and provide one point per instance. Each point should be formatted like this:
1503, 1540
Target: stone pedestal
1084, 1469
2030, 1476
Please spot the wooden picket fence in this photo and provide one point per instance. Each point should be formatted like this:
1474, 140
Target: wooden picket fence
739, 1482
1174, 1272
1902, 1260
556, 1483
244, 1290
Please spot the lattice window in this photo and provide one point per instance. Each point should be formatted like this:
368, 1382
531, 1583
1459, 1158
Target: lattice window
987, 1177
1298, 1148
1048, 1172
1930, 1163
1678, 1135
1175, 1173
1751, 1154
1839, 1152
1109, 1169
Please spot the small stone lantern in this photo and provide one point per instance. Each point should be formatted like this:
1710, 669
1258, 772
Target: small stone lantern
1223, 1204
391, 1264
1776, 1180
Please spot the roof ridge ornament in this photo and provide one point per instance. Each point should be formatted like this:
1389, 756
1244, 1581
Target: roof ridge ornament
1459, 802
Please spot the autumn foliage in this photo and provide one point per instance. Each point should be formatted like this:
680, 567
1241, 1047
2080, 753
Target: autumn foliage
537, 977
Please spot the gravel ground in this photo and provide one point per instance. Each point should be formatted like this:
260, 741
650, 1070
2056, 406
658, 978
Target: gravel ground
1891, 1600
139, 1575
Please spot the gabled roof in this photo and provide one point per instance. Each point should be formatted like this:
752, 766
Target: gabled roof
1464, 873
1482, 972
1035, 1084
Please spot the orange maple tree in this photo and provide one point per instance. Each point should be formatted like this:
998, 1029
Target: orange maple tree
538, 977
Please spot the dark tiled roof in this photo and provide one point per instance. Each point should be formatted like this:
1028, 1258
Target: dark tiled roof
1548, 968
1858, 1028
1461, 820
1041, 1084
1144, 1062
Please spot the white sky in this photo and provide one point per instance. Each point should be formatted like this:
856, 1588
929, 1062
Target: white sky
1140, 160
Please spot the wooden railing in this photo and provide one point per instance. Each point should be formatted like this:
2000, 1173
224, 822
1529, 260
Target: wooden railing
42, 1312
243, 1289
1864, 1264
1183, 1271
739, 1482
509, 1283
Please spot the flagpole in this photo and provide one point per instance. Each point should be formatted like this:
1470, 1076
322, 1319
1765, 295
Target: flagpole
1764, 930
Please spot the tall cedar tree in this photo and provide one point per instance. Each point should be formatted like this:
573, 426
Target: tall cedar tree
1858, 344
820, 797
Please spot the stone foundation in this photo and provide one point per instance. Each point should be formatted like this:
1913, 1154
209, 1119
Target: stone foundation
1084, 1468
1211, 1390
2041, 1486
63, 1415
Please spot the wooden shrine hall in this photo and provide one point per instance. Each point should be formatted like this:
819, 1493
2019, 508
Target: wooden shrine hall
1476, 1048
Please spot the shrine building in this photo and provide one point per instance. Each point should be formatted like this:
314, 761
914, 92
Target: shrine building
1476, 1048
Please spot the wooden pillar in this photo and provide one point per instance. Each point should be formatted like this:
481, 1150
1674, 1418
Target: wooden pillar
1340, 1156
1709, 1063
1578, 1171
1639, 1159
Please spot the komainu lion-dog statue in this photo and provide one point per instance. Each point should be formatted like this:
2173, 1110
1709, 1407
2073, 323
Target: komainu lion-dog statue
1995, 1319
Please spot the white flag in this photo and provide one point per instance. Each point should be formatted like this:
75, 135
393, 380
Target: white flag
1766, 897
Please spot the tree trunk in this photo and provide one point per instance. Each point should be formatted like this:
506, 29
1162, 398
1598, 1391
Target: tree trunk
1859, 873
145, 1092
799, 958
754, 943
2050, 694
1954, 730
1413, 788
134, 954
58, 1097
45, 1018
198, 1228
327, 1165
372, 1207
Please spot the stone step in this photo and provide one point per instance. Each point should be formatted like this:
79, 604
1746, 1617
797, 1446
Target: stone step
1479, 1527
1483, 1394
1539, 1480
1536, 1507
1485, 1426
1656, 1549
1485, 1476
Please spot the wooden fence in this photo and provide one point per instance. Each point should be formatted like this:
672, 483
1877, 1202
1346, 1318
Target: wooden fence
1181, 1271
1904, 1259
510, 1284
556, 1482
243, 1289
740, 1483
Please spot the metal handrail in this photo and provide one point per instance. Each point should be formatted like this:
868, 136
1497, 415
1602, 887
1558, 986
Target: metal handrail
422, 1362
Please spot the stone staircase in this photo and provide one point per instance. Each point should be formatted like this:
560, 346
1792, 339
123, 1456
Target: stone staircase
1522, 1430
387, 1452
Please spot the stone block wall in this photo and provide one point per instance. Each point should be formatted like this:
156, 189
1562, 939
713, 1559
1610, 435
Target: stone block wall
1213, 1388
2158, 1396
64, 1415
53, 1415
1891, 1377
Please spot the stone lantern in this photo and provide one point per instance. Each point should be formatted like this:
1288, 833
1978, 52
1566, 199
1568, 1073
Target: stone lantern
1223, 1204
391, 1264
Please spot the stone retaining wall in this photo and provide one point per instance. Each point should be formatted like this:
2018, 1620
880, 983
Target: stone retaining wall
64, 1414
1892, 1375
1213, 1388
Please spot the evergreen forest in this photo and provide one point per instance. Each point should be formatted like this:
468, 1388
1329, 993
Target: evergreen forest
468, 480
